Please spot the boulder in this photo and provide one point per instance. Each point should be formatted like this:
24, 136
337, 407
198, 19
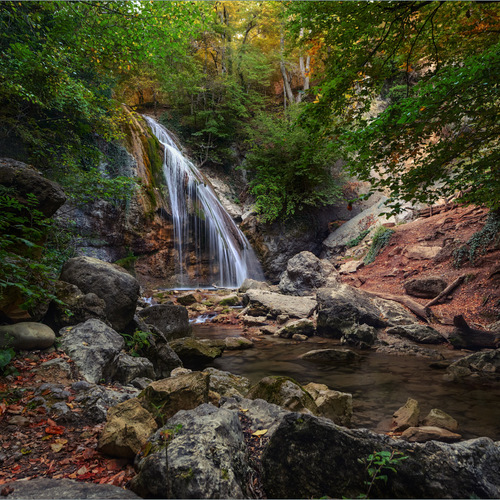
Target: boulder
226, 384
302, 327
421, 252
405, 348
330, 356
195, 353
237, 343
439, 418
406, 416
128, 427
310, 457
484, 366
393, 313
94, 347
206, 457
28, 181
276, 304
426, 288
418, 333
339, 309
335, 405
45, 488
251, 284
164, 398
97, 399
299, 337
28, 336
284, 392
230, 301
254, 320
118, 289
305, 273
429, 433
361, 336
128, 368
189, 299
76, 307
169, 319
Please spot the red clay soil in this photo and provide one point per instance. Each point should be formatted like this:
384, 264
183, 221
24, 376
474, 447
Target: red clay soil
477, 298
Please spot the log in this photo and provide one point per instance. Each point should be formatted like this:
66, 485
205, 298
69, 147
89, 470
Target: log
466, 337
421, 311
446, 291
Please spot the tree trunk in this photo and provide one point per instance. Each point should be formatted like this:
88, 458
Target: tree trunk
286, 83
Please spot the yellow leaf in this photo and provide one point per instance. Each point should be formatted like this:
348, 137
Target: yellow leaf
85, 343
244, 409
58, 445
259, 433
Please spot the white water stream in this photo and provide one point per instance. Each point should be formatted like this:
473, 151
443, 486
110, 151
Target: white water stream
202, 227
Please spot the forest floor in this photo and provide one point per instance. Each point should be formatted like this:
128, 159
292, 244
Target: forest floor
477, 298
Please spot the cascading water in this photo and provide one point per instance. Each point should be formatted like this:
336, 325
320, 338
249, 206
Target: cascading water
202, 228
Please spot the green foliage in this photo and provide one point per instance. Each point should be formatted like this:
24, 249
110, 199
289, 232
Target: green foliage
137, 342
289, 170
478, 242
358, 239
25, 277
6, 356
379, 465
380, 239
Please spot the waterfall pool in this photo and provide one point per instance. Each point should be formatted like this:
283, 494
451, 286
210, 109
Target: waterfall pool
379, 383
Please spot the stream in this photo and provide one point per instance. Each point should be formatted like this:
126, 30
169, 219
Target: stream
379, 383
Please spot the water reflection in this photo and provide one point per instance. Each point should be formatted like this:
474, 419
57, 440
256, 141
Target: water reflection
379, 383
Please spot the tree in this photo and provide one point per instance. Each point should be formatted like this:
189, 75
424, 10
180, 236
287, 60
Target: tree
441, 133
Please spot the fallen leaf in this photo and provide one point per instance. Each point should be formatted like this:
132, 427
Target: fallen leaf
58, 445
259, 433
55, 429
244, 409
51, 422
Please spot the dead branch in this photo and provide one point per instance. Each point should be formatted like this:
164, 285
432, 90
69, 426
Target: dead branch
466, 337
421, 311
446, 291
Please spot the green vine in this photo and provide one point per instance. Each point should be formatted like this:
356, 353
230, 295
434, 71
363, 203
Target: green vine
358, 239
380, 240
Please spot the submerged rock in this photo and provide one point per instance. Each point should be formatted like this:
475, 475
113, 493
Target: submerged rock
481, 366
330, 356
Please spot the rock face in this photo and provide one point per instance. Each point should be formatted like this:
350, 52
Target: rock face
93, 346
127, 430
171, 320
81, 306
406, 416
276, 304
195, 353
164, 398
305, 273
418, 333
205, 458
483, 366
44, 488
284, 392
28, 335
26, 180
426, 288
341, 308
310, 457
111, 283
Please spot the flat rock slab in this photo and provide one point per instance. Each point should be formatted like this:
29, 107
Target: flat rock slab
276, 304
429, 433
44, 488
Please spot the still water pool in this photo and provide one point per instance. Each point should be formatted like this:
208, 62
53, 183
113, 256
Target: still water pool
379, 383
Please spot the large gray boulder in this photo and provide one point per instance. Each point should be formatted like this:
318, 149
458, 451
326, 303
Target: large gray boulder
339, 309
305, 273
45, 488
206, 457
170, 319
28, 335
110, 282
310, 457
94, 347
28, 181
275, 304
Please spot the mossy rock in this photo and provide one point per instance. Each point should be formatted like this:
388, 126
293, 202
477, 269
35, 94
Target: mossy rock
195, 353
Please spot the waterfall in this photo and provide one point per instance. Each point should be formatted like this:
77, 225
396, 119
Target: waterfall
202, 227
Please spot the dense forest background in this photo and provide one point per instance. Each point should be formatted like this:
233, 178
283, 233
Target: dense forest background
301, 96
